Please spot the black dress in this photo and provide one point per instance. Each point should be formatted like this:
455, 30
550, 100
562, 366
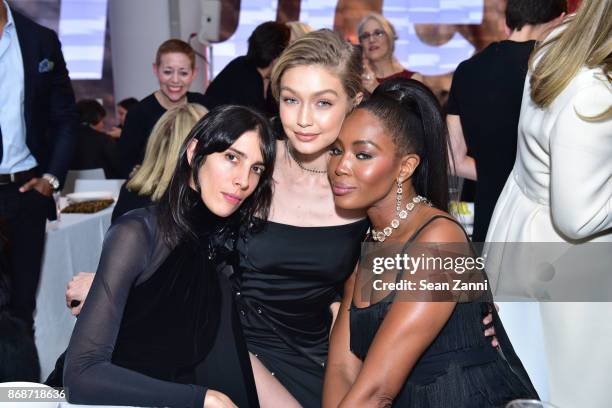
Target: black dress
240, 83
159, 326
139, 123
95, 150
289, 277
128, 201
459, 369
486, 94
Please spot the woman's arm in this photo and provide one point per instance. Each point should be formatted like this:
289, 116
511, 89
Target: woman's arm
89, 375
77, 291
581, 165
406, 332
342, 365
464, 165
418, 77
334, 308
132, 141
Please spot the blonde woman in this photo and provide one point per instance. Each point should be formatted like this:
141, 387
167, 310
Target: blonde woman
151, 179
377, 38
298, 30
560, 191
148, 183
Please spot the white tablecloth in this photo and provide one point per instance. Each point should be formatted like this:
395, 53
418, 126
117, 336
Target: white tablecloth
73, 245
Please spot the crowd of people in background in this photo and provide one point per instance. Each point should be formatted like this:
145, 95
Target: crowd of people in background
220, 282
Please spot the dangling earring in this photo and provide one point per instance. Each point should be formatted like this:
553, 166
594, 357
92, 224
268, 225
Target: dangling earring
398, 197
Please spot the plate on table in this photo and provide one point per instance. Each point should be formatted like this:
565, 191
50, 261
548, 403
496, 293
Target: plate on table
89, 196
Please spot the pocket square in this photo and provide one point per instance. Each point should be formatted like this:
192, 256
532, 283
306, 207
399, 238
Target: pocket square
45, 66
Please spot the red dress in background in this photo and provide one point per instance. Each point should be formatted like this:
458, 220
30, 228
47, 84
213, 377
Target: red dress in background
402, 74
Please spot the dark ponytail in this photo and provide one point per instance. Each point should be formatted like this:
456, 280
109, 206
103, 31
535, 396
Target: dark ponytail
412, 114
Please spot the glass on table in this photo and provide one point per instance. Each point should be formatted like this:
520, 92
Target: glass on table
529, 403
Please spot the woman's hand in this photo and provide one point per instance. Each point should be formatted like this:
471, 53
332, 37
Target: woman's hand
115, 132
368, 79
216, 399
489, 328
77, 291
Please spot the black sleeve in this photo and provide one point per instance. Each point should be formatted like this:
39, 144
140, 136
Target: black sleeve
128, 201
63, 116
219, 91
234, 85
132, 141
452, 105
112, 164
196, 97
89, 375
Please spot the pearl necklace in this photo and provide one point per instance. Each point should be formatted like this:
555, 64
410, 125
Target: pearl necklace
299, 163
380, 236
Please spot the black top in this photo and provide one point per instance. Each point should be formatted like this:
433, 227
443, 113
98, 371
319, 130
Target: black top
139, 123
290, 276
239, 83
459, 368
159, 325
486, 93
128, 201
96, 150
48, 102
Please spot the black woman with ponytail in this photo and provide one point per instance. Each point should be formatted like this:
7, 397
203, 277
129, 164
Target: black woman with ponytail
402, 338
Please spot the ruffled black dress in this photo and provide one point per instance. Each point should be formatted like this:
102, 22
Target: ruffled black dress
459, 369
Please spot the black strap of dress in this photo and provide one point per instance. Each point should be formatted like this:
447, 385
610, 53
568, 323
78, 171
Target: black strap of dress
416, 234
433, 218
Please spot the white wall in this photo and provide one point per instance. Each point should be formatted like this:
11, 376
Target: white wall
137, 28
190, 16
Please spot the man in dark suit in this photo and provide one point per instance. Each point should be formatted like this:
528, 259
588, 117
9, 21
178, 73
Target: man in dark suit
37, 125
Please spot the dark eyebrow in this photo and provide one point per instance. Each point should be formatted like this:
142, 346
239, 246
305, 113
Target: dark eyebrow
238, 152
366, 142
286, 88
244, 156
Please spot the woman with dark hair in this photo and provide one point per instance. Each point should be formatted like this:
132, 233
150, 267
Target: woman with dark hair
159, 326
392, 153
246, 79
94, 149
292, 271
123, 108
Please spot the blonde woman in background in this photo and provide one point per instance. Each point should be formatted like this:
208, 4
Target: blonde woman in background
149, 182
377, 38
560, 191
298, 30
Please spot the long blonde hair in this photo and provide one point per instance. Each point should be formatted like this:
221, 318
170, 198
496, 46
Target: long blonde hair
585, 41
162, 151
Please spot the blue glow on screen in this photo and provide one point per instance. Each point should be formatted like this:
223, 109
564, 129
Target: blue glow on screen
82, 30
404, 14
